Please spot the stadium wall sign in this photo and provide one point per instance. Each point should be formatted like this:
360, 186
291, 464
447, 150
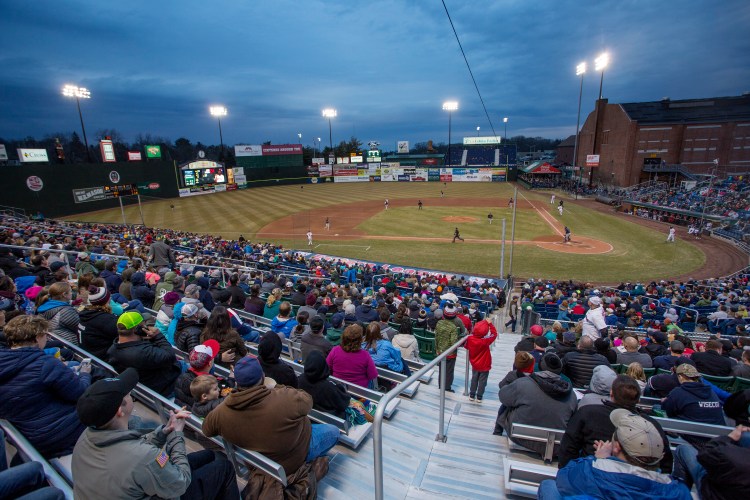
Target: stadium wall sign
198, 190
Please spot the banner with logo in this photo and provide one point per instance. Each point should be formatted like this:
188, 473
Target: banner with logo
248, 150
108, 151
592, 160
402, 147
325, 170
89, 194
134, 156
469, 141
153, 151
281, 149
198, 190
32, 155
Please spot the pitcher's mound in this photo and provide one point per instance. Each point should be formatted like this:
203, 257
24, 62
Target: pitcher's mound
459, 219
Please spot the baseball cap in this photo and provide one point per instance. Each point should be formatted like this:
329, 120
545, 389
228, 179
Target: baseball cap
189, 310
289, 284
248, 372
595, 301
677, 346
130, 319
203, 353
56, 266
638, 437
569, 336
82, 255
99, 404
687, 370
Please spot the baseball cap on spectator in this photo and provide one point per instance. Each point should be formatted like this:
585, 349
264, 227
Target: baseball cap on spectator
687, 370
537, 330
171, 298
130, 319
56, 266
541, 342
215, 273
595, 300
82, 255
189, 310
247, 372
192, 290
100, 402
638, 437
98, 296
289, 284
202, 354
659, 337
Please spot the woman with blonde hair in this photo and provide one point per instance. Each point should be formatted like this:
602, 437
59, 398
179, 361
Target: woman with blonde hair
271, 309
54, 306
635, 371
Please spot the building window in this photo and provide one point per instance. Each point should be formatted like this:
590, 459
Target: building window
605, 137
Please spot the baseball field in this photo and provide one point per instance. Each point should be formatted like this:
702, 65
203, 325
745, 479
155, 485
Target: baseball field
605, 247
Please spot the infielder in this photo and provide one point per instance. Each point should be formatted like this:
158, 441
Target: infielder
671, 235
309, 238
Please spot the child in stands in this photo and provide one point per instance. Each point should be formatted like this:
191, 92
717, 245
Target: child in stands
205, 391
478, 345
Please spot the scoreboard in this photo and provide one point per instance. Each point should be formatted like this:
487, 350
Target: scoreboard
120, 190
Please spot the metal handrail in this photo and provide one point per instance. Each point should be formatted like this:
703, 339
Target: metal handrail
377, 424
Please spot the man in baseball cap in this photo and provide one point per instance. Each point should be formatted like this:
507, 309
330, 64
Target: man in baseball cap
625, 467
154, 465
594, 324
693, 400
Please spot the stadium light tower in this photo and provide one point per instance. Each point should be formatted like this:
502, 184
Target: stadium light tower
505, 135
580, 71
600, 63
300, 137
79, 93
450, 107
318, 144
477, 131
329, 113
218, 112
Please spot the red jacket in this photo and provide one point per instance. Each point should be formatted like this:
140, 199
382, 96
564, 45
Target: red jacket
478, 345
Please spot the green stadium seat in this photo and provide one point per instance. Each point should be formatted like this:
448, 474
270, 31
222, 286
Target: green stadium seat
662, 371
725, 383
741, 384
618, 368
426, 343
649, 372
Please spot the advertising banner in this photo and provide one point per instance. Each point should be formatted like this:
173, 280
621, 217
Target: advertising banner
3, 153
342, 159
428, 161
312, 171
446, 178
282, 149
32, 155
325, 170
388, 174
356, 158
318, 161
134, 156
351, 178
238, 170
344, 172
89, 194
108, 151
153, 151
433, 174
248, 150
402, 147
403, 178
468, 141
592, 160
197, 190
240, 179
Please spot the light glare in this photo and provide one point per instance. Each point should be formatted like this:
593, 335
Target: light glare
218, 111
581, 69
601, 62
73, 91
450, 106
329, 113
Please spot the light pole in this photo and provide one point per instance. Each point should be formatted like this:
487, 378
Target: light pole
79, 93
329, 113
600, 63
450, 107
505, 135
300, 137
477, 131
580, 71
218, 112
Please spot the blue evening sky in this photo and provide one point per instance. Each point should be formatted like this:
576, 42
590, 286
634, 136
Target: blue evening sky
386, 66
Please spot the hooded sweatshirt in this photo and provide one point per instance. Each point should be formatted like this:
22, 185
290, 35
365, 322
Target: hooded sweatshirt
279, 426
543, 399
269, 351
162, 288
696, 402
139, 290
63, 319
98, 331
283, 326
327, 396
601, 384
478, 345
408, 346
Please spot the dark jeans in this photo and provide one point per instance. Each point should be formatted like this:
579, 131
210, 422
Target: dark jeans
25, 481
478, 383
213, 477
512, 323
450, 366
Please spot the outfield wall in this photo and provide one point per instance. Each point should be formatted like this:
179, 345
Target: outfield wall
394, 172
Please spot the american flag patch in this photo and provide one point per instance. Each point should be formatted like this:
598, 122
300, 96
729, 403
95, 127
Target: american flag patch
162, 458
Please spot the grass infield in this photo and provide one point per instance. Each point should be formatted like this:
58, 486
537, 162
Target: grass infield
361, 228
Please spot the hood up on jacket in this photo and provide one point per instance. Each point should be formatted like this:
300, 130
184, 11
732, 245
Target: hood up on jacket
552, 385
601, 380
169, 277
316, 368
203, 283
138, 279
269, 348
241, 400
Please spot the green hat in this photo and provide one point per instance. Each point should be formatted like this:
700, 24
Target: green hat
130, 319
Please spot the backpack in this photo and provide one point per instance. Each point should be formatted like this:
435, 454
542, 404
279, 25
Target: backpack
446, 334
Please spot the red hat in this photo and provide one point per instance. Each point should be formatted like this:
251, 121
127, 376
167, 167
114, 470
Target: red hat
537, 330
202, 354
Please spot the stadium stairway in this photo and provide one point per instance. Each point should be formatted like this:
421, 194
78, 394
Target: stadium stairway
469, 464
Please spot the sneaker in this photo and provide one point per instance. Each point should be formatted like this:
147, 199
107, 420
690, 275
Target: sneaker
479, 399
471, 397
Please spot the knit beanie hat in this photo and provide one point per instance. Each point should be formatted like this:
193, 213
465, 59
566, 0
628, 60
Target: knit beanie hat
171, 298
524, 362
98, 296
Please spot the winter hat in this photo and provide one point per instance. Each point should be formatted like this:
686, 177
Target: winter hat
171, 298
537, 330
56, 266
481, 329
189, 310
32, 292
422, 313
83, 256
202, 354
551, 362
524, 362
98, 296
449, 311
248, 372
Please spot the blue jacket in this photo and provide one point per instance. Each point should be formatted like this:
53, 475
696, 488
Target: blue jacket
387, 356
204, 295
366, 313
694, 401
38, 395
611, 478
113, 281
283, 327
140, 290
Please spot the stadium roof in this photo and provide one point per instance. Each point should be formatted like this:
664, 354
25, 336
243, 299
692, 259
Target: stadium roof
715, 109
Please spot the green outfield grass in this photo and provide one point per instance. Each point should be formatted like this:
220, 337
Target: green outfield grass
638, 253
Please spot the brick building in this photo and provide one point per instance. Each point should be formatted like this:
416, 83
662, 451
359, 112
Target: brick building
564, 151
635, 139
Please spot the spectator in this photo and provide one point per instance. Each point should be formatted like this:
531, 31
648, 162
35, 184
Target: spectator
140, 290
188, 329
206, 395
84, 266
54, 306
280, 429
635, 371
148, 351
540, 346
98, 326
405, 341
446, 335
192, 296
579, 365
480, 357
365, 313
742, 369
238, 297
37, 391
693, 400
154, 465
349, 362
314, 340
624, 467
542, 399
711, 362
631, 354
254, 304
333, 334
111, 277
591, 423
282, 324
271, 308
594, 325
656, 345
201, 359
668, 361
269, 353
602, 346
328, 396
301, 327
601, 384
219, 328
527, 343
26, 481
383, 353
565, 344
720, 470
386, 330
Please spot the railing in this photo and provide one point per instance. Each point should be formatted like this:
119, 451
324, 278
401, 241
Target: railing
377, 424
